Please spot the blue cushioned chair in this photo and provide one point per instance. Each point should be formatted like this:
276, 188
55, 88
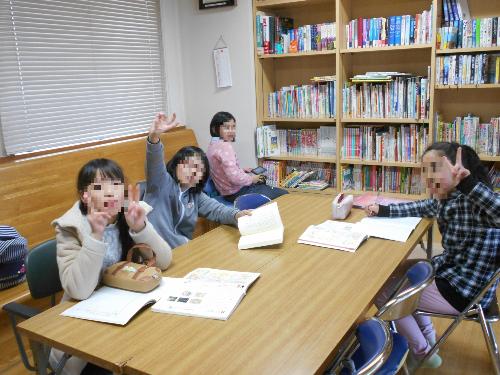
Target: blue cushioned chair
250, 201
373, 350
210, 190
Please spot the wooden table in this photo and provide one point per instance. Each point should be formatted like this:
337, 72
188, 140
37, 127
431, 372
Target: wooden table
290, 322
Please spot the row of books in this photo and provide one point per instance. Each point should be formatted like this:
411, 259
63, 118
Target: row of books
323, 174
494, 174
276, 35
482, 137
381, 179
402, 97
316, 100
470, 33
404, 143
468, 69
454, 10
271, 141
390, 31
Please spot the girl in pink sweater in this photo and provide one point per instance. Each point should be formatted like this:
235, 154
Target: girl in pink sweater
230, 180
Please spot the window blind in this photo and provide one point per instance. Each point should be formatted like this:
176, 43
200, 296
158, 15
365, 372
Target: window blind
78, 71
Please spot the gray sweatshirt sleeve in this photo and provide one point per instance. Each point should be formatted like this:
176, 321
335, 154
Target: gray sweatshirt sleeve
157, 176
215, 211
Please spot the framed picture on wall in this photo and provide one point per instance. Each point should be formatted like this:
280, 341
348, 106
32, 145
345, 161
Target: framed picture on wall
207, 4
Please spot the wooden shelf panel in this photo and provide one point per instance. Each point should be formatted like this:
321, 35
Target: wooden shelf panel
385, 120
298, 54
454, 51
380, 163
489, 158
385, 49
317, 159
270, 4
388, 194
474, 86
284, 119
327, 191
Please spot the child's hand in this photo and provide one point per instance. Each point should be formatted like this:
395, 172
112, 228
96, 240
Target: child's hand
454, 173
372, 209
135, 214
97, 220
161, 124
243, 213
247, 170
258, 179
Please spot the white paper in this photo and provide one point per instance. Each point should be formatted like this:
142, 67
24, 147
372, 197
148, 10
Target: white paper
222, 64
237, 279
263, 228
395, 229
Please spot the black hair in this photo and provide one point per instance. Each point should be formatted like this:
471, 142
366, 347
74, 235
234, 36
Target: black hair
108, 169
470, 159
183, 154
219, 119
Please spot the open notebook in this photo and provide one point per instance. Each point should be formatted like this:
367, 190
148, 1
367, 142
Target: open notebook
206, 292
395, 229
263, 228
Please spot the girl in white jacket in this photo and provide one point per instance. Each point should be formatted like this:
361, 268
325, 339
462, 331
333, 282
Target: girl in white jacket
98, 231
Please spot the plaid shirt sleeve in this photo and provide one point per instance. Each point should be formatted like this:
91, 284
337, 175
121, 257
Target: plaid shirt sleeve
422, 208
484, 198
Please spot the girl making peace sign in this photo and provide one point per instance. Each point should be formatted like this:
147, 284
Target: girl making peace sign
468, 216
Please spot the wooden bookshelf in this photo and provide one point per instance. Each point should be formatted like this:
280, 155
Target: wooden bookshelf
381, 163
456, 51
388, 194
386, 49
304, 120
297, 54
276, 71
316, 159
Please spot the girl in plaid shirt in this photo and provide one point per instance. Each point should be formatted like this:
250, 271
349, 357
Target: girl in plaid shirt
467, 213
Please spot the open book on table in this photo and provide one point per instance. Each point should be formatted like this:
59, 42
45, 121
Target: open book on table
334, 235
206, 293
213, 294
263, 228
395, 229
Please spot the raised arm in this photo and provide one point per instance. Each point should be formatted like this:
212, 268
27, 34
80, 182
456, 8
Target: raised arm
156, 173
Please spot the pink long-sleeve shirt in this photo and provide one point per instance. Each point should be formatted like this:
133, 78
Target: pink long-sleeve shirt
225, 170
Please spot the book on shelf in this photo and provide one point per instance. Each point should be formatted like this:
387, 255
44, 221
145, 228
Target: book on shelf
296, 177
395, 229
381, 178
275, 171
402, 143
366, 199
453, 10
331, 234
468, 69
115, 306
494, 175
469, 33
313, 185
313, 101
277, 35
263, 228
403, 30
271, 141
468, 130
404, 96
324, 171
206, 293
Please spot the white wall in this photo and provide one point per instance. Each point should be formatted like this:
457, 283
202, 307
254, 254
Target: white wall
199, 32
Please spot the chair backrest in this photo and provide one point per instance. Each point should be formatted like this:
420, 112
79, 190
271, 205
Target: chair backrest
210, 189
374, 346
42, 273
406, 298
250, 201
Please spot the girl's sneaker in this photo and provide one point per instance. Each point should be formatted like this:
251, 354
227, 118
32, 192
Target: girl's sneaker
434, 361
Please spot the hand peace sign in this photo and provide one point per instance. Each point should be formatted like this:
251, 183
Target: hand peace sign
161, 124
97, 220
135, 214
456, 172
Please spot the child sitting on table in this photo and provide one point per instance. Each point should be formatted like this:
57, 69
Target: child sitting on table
468, 216
96, 233
230, 180
176, 191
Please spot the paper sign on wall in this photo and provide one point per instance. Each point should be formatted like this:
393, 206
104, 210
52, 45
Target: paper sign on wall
222, 67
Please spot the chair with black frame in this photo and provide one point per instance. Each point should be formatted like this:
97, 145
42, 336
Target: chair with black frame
250, 201
373, 349
42, 275
474, 312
